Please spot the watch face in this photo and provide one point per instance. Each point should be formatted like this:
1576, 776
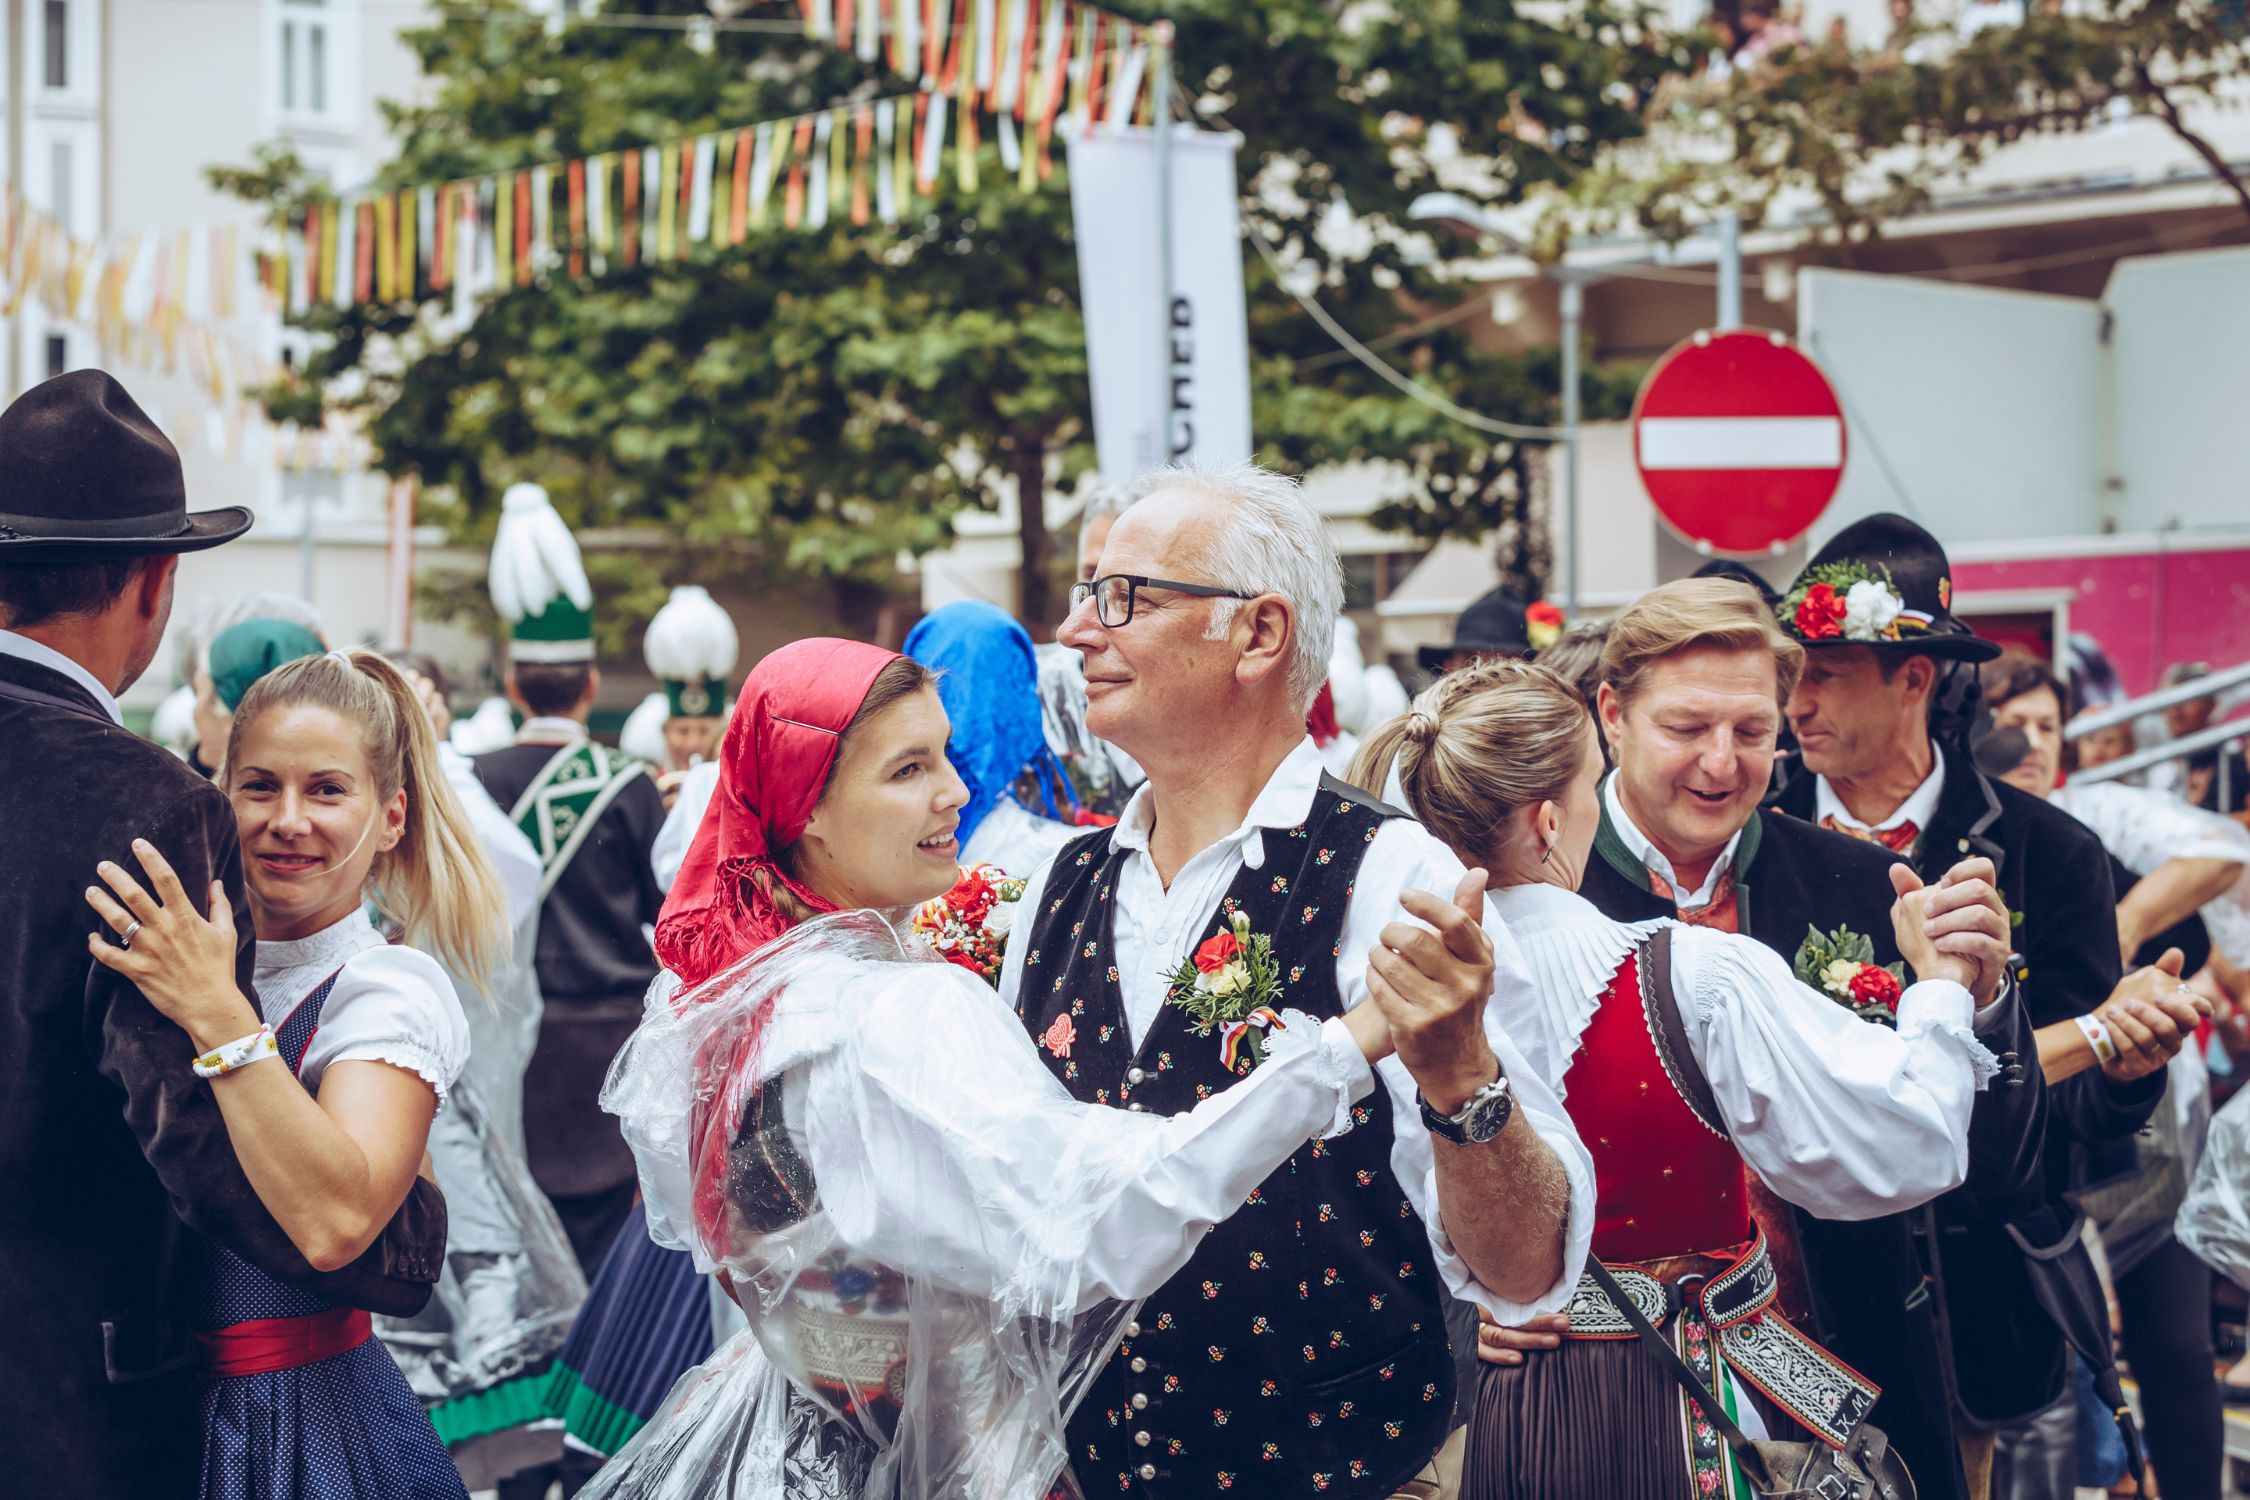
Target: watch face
1488, 1114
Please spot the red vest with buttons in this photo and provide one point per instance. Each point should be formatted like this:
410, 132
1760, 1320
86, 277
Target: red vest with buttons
1665, 1183
1302, 1350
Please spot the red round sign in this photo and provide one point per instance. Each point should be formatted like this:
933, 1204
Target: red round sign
1740, 440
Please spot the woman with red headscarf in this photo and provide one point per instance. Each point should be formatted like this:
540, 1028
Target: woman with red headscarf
934, 1244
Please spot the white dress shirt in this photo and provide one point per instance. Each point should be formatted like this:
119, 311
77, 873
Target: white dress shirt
1154, 928
39, 653
1845, 1118
391, 1003
689, 803
1654, 859
1919, 807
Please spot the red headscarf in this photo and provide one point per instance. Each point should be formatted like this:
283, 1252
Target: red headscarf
773, 764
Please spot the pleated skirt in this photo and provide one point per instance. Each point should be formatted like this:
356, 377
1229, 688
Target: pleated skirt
1597, 1419
646, 1322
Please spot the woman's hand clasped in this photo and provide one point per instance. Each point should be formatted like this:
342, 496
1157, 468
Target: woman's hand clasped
182, 961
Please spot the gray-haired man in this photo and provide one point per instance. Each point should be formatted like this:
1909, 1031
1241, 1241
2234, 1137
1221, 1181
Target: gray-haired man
1302, 1349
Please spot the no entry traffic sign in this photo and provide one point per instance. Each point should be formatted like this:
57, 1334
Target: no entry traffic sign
1740, 440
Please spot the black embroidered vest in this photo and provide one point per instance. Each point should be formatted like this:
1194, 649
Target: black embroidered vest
1302, 1350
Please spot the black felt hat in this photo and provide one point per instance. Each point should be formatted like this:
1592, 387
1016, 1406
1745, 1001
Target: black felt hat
85, 474
1493, 625
1904, 601
1739, 572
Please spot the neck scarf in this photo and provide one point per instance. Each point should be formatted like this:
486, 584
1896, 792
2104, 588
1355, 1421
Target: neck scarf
988, 680
773, 764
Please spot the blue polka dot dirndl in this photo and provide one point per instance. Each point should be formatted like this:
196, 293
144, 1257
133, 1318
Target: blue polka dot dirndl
301, 1402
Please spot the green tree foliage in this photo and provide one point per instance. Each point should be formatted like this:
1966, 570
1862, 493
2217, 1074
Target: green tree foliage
1864, 135
817, 403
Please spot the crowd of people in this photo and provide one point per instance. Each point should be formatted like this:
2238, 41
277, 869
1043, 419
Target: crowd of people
1710, 1051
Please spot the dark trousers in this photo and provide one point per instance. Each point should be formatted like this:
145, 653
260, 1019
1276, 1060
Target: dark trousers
2164, 1307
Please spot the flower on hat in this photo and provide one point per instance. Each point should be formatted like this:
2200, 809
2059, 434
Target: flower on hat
1820, 614
1542, 625
1849, 601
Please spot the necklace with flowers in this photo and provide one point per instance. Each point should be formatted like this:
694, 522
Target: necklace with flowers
1231, 985
1841, 965
969, 925
1850, 601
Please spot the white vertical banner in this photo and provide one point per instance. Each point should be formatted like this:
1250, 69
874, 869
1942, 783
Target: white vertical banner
1168, 383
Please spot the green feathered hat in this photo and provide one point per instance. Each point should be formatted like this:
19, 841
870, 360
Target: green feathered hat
538, 581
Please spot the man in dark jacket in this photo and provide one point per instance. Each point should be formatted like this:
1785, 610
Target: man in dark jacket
1693, 677
113, 1150
1874, 613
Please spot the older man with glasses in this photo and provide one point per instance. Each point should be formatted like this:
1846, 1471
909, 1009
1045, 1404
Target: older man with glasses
1303, 1349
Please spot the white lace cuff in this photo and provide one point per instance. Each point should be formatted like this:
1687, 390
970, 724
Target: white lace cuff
1338, 1064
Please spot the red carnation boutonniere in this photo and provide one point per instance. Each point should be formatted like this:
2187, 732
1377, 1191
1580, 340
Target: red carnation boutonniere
1231, 984
1841, 965
969, 925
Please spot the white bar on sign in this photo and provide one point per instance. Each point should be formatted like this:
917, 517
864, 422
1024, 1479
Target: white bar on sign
1742, 443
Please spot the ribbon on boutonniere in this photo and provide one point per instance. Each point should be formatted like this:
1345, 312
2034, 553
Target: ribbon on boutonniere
1227, 985
1236, 1037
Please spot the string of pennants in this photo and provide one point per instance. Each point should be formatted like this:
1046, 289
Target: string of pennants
161, 300
1040, 61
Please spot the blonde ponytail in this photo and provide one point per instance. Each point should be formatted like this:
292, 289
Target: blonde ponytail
1479, 745
436, 881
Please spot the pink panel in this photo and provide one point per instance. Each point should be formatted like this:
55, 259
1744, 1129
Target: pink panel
2147, 609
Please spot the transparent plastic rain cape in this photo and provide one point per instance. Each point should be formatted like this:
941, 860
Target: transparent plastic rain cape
861, 1137
2214, 1219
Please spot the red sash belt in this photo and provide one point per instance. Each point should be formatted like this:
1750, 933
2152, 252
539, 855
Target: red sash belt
263, 1345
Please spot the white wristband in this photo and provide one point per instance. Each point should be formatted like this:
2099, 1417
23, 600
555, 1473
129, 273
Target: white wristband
256, 1047
2097, 1036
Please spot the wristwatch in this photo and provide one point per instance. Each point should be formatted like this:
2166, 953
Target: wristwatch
1482, 1118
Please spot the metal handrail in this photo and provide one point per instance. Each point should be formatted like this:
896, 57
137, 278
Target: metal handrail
2186, 744
2133, 708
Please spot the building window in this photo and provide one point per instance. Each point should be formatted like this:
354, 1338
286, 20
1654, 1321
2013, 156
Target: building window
58, 44
304, 57
58, 354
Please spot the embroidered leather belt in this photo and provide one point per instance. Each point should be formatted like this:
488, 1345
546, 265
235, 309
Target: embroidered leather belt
264, 1345
1759, 1344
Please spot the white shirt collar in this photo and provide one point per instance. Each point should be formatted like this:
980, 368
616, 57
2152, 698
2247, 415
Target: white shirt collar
1653, 858
40, 654
542, 729
1285, 801
1918, 808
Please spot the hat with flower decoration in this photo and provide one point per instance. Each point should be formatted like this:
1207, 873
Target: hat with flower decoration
690, 647
1882, 581
538, 581
1498, 623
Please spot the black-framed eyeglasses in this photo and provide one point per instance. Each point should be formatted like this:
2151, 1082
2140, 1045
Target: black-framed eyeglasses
1113, 594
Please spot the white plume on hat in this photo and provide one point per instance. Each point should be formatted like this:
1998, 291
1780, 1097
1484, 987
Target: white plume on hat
173, 723
489, 728
534, 557
691, 637
643, 734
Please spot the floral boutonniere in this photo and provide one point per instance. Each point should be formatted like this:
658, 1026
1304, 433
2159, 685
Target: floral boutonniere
969, 925
1841, 965
1850, 601
1231, 985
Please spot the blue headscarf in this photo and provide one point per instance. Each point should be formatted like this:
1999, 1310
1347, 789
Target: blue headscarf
988, 681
